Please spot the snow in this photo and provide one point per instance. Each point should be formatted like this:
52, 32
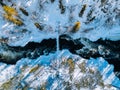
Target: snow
47, 70
50, 17
106, 70
6, 73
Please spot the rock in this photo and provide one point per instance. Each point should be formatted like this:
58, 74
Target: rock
28, 37
107, 49
11, 54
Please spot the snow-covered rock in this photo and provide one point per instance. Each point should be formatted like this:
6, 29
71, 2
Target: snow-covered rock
24, 21
44, 19
61, 70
